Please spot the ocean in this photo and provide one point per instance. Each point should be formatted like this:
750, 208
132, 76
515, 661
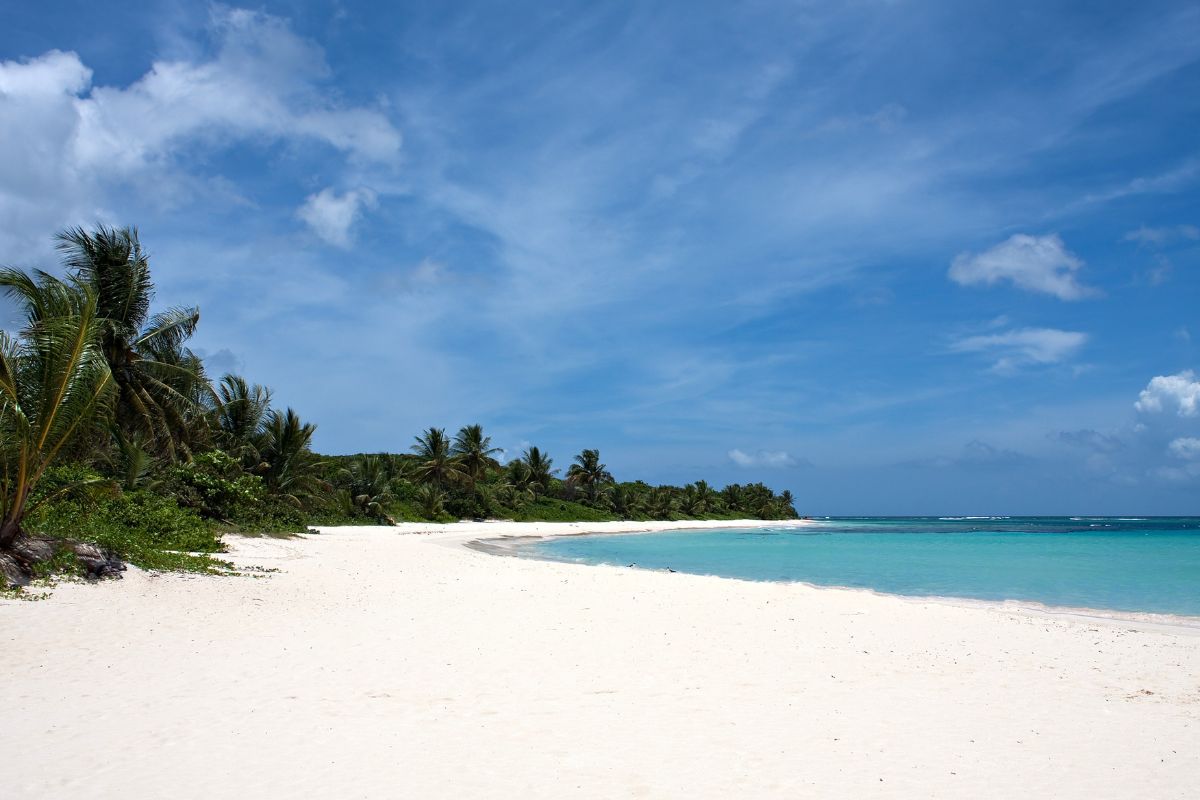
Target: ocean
1133, 564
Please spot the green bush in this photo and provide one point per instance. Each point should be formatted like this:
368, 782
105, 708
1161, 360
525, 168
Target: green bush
546, 509
144, 529
215, 486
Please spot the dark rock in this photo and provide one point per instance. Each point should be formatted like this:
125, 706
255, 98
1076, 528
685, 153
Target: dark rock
12, 572
97, 563
31, 551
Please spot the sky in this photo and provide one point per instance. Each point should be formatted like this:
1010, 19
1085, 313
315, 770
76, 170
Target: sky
900, 257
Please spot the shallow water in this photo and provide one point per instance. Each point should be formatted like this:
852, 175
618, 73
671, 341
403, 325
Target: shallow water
1118, 563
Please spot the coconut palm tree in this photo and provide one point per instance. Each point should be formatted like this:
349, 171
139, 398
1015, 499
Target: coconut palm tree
690, 502
589, 473
432, 501
474, 453
290, 470
519, 475
131, 461
435, 463
368, 481
661, 503
54, 383
541, 469
241, 414
157, 378
626, 502
787, 502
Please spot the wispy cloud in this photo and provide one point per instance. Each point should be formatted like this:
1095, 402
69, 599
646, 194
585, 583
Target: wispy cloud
771, 459
1022, 347
1163, 235
1185, 447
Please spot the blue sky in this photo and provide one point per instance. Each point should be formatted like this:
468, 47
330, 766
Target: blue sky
899, 257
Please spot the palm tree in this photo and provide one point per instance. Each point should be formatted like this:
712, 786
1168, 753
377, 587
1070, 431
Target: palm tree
788, 503
54, 382
519, 476
541, 469
436, 465
691, 502
131, 461
625, 502
588, 472
474, 452
290, 462
432, 501
369, 484
661, 503
158, 380
241, 414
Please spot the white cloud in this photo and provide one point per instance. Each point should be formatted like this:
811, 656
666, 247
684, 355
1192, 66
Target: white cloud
1023, 346
1185, 447
262, 83
1180, 392
331, 216
68, 144
775, 459
1037, 263
1161, 236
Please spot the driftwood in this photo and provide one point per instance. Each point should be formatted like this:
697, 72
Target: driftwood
19, 560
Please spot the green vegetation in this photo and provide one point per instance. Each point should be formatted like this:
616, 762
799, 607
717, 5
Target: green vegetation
116, 444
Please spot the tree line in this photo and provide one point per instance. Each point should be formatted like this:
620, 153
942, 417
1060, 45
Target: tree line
110, 423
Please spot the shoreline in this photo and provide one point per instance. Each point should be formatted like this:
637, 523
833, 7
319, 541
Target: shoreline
511, 546
374, 662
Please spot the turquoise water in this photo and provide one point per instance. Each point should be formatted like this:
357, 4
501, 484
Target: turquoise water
1125, 564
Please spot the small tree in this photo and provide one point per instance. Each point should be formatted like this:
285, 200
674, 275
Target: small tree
54, 383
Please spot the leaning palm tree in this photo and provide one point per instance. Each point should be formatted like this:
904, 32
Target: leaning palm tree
54, 383
157, 378
436, 464
474, 453
589, 473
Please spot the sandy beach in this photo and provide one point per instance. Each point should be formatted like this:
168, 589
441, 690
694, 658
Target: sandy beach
397, 662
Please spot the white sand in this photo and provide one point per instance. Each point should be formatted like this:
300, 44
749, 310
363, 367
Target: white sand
383, 665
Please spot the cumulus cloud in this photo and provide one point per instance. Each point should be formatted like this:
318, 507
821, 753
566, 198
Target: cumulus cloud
68, 143
1023, 347
1179, 393
774, 459
331, 216
1185, 447
262, 83
1036, 263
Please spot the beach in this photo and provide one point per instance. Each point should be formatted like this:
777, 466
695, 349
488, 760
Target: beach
399, 662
